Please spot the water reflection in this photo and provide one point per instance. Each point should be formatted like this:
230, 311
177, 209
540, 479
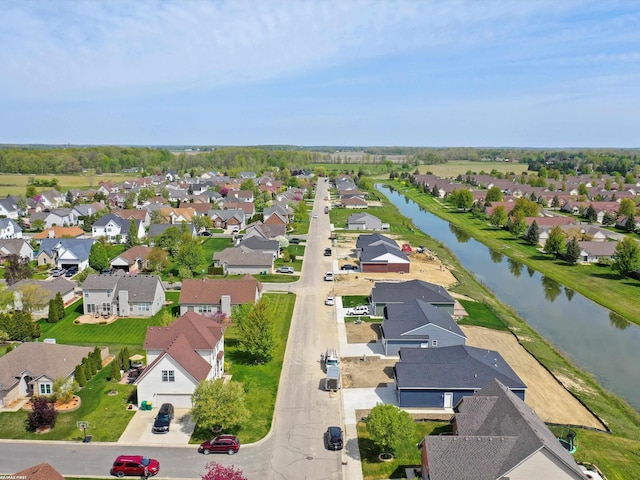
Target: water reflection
461, 235
530, 271
515, 267
496, 256
552, 289
569, 293
619, 322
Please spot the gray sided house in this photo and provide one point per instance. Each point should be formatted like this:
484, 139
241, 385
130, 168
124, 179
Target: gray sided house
50, 288
31, 368
123, 295
387, 293
496, 436
243, 260
417, 324
261, 245
441, 377
16, 246
363, 221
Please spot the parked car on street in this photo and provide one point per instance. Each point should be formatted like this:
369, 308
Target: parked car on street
328, 277
327, 252
315, 215
294, 241
162, 422
330, 301
285, 270
229, 444
135, 465
333, 438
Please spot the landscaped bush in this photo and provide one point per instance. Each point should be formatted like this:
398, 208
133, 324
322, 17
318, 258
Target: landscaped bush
43, 414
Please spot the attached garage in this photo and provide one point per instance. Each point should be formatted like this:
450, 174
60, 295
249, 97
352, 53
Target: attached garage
178, 400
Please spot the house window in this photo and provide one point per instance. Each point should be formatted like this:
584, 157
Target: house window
434, 343
91, 308
205, 309
45, 389
168, 375
190, 308
144, 307
108, 293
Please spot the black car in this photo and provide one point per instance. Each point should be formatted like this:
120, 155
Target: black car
163, 419
294, 241
71, 272
333, 438
348, 266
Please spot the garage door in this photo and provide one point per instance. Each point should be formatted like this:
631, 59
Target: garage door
177, 400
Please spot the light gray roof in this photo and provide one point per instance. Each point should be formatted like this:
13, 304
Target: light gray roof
141, 288
390, 292
456, 367
124, 224
371, 253
53, 360
367, 239
239, 256
401, 318
5, 222
53, 286
363, 218
13, 245
79, 246
496, 432
256, 243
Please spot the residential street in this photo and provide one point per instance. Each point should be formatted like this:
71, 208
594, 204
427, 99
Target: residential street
294, 449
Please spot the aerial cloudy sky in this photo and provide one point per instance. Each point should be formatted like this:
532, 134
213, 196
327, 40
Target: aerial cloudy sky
522, 73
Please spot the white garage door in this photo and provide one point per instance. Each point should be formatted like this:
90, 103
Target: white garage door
177, 400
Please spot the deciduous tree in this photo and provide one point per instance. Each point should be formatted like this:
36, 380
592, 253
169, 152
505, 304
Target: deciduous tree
499, 217
256, 334
555, 242
43, 413
219, 405
626, 257
98, 258
389, 426
32, 296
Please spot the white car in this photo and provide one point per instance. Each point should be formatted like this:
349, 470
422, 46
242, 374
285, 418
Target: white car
359, 310
329, 301
315, 215
328, 277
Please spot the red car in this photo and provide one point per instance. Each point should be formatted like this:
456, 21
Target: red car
135, 465
222, 443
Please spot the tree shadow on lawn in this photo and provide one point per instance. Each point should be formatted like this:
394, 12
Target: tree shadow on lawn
235, 355
609, 276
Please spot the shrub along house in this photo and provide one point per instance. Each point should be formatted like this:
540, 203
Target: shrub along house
179, 357
440, 377
418, 324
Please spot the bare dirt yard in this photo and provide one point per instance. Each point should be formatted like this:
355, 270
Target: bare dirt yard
546, 395
369, 373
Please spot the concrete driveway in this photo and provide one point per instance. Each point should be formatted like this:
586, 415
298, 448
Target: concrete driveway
138, 432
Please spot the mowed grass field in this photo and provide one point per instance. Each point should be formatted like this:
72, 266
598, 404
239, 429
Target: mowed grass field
460, 167
11, 184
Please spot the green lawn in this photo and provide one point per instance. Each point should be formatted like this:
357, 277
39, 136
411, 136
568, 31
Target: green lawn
124, 331
406, 456
350, 301
260, 381
481, 315
107, 414
212, 245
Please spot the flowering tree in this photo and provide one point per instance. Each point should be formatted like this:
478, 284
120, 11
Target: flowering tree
215, 471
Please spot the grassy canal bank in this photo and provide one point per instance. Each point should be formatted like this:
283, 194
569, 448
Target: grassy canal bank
616, 453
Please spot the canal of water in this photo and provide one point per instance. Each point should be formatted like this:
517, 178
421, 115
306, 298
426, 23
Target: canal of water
594, 338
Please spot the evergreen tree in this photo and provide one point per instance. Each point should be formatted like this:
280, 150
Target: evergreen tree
98, 259
573, 251
114, 373
630, 224
533, 234
590, 214
98, 356
555, 203
52, 316
59, 305
80, 376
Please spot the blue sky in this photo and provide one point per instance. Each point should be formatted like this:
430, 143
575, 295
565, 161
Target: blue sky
524, 73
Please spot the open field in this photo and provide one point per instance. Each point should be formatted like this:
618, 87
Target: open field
460, 167
11, 184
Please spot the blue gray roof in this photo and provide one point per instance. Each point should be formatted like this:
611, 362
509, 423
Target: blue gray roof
366, 240
257, 243
79, 246
400, 292
401, 318
371, 253
458, 367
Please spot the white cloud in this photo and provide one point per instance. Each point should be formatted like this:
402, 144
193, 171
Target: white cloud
67, 48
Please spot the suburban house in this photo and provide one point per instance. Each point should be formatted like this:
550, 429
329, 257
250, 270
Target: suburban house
123, 295
496, 436
9, 207
58, 217
65, 252
373, 240
133, 260
50, 288
418, 324
16, 246
116, 229
59, 232
209, 296
258, 244
32, 367
242, 259
135, 214
440, 377
9, 229
594, 252
387, 293
364, 221
179, 357
85, 210
384, 259
353, 202
265, 231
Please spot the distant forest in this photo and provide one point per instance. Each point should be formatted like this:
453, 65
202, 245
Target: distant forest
112, 159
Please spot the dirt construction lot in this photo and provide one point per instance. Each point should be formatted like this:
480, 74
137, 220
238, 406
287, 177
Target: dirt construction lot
550, 400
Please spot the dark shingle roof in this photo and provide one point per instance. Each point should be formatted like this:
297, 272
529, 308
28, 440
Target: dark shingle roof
366, 240
390, 292
455, 367
371, 253
401, 318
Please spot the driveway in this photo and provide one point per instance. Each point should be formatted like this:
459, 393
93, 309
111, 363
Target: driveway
138, 432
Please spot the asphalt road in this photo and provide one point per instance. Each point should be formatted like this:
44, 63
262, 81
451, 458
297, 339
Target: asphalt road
294, 449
